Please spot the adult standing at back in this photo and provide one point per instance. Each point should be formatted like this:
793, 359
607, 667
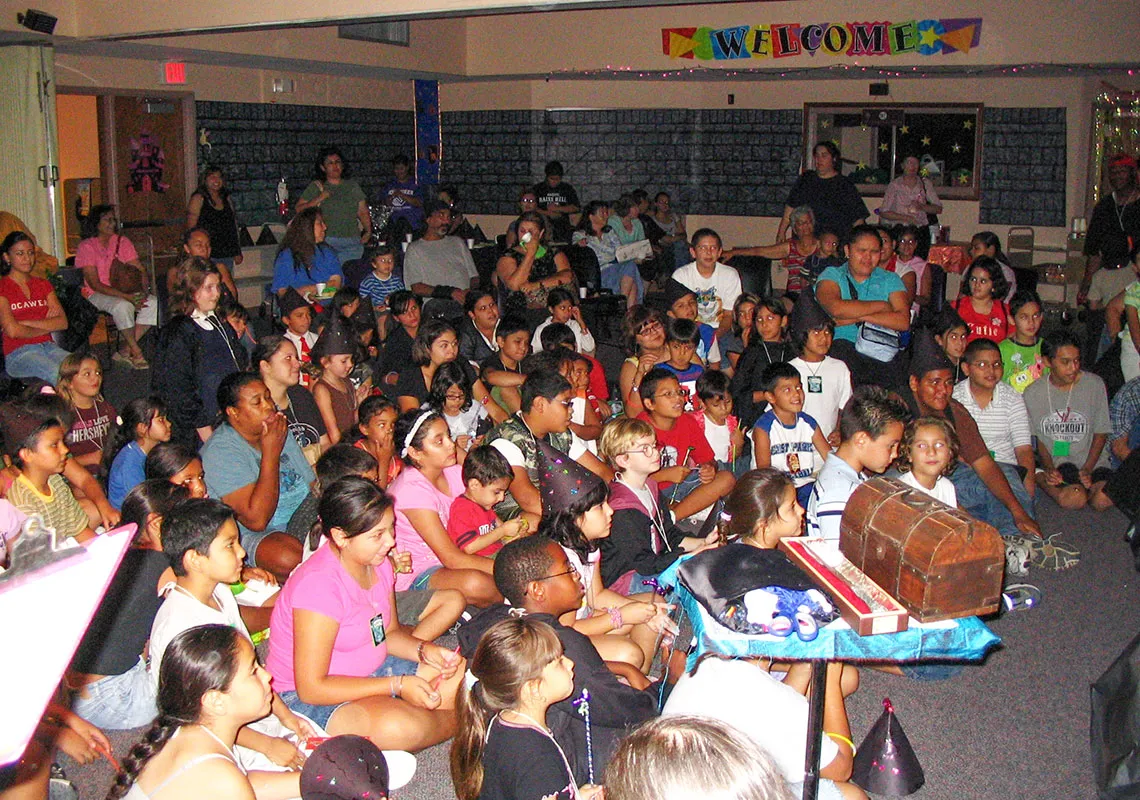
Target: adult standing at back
342, 203
211, 210
910, 200
557, 200
832, 196
1114, 227
860, 292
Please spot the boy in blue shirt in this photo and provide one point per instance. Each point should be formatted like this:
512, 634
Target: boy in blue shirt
381, 282
682, 339
682, 304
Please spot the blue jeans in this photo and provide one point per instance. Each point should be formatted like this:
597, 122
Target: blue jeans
978, 501
36, 361
347, 248
392, 666
613, 273
118, 702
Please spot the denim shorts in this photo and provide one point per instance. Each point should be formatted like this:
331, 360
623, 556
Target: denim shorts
421, 581
679, 491
118, 702
249, 542
392, 666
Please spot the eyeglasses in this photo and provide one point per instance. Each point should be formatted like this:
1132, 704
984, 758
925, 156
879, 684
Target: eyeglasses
650, 327
646, 450
569, 404
707, 247
572, 571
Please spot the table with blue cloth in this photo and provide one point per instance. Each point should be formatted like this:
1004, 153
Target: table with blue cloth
965, 639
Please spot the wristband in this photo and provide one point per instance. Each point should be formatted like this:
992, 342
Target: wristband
396, 685
615, 616
420, 652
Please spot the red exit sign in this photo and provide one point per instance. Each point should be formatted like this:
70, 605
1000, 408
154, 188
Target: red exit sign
174, 73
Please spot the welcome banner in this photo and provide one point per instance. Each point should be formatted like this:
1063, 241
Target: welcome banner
927, 37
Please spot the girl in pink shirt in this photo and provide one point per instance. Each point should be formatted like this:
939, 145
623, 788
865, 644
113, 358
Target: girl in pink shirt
338, 654
431, 480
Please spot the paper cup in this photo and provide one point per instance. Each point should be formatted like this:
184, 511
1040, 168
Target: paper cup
470, 243
407, 237
582, 292
320, 288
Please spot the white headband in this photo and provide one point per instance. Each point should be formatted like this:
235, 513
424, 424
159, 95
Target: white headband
412, 433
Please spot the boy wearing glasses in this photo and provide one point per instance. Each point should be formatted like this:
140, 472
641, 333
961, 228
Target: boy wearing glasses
688, 478
643, 540
716, 285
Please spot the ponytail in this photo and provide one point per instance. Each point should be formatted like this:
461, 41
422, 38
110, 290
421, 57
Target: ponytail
511, 653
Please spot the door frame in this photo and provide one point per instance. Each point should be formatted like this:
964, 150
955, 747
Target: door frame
109, 167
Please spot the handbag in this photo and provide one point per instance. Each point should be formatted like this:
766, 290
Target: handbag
875, 341
124, 277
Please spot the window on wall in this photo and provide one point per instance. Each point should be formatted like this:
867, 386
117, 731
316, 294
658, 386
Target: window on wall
875, 139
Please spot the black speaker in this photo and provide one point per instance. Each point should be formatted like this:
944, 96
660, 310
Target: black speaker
38, 21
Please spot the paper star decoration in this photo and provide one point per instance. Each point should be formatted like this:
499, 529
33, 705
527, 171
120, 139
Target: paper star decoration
925, 141
957, 148
825, 123
904, 129
861, 165
968, 124
964, 179
883, 147
924, 172
928, 37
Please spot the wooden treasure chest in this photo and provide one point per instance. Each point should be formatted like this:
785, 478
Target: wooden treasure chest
939, 562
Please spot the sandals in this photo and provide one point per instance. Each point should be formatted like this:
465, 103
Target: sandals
1020, 597
134, 362
1053, 554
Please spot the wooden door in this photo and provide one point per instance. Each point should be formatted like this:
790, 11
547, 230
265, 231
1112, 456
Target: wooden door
149, 165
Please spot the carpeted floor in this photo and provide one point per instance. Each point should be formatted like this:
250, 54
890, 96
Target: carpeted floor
1014, 727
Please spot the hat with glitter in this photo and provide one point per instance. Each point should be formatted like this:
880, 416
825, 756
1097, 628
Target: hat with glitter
345, 768
290, 301
335, 340
561, 479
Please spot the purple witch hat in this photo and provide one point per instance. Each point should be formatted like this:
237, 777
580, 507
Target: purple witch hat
345, 768
561, 479
885, 762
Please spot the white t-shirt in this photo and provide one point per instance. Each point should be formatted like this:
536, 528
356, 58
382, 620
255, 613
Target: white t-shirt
1108, 283
943, 488
181, 611
748, 698
716, 293
584, 339
515, 457
465, 423
832, 379
586, 571
719, 438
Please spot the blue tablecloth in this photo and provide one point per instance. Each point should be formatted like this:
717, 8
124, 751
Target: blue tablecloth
965, 639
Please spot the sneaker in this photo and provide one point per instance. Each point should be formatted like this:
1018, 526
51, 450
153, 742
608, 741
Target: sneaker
1017, 555
1020, 597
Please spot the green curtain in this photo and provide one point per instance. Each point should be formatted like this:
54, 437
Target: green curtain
31, 146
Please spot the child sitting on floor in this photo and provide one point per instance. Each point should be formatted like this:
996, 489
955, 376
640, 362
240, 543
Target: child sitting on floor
297, 317
500, 371
472, 523
144, 425
927, 455
785, 437
871, 427
643, 540
564, 308
682, 338
689, 479
826, 380
721, 427
537, 579
35, 443
1021, 351
575, 514
502, 747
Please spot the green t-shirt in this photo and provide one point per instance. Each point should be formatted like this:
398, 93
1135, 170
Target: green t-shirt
1023, 365
339, 210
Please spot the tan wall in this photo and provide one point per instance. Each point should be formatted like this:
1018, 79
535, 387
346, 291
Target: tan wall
232, 84
1042, 31
78, 125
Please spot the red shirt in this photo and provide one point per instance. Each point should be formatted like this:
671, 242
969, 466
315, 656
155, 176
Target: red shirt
469, 520
598, 387
684, 443
994, 326
25, 307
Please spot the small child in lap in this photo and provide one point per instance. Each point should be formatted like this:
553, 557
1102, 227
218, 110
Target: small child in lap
721, 427
682, 338
472, 524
